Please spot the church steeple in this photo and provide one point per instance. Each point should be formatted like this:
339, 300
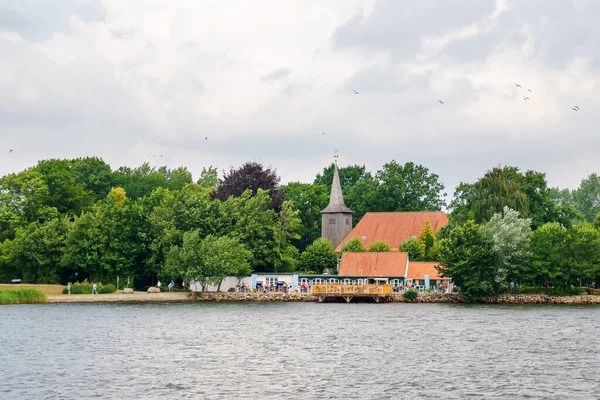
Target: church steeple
336, 218
336, 199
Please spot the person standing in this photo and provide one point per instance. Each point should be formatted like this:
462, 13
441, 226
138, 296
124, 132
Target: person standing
69, 288
158, 285
94, 288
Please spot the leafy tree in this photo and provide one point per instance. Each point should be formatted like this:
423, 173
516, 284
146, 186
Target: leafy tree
177, 178
498, 188
586, 198
224, 256
187, 261
287, 230
319, 256
467, 257
428, 240
253, 223
209, 178
250, 176
353, 245
414, 248
409, 187
37, 250
461, 206
24, 199
548, 250
379, 246
511, 238
65, 194
94, 175
583, 254
143, 180
309, 200
597, 221
364, 197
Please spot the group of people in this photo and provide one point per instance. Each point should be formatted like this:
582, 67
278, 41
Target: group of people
170, 286
94, 288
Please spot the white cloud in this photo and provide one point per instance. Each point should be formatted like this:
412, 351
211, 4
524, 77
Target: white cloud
262, 80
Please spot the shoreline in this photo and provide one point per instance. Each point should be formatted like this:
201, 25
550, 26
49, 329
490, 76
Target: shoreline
188, 297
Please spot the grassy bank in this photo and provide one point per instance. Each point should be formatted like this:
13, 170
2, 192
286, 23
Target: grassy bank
21, 296
49, 290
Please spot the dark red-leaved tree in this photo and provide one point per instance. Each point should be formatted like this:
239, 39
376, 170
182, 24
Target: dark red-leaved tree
251, 176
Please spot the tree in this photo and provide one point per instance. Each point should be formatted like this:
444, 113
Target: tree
379, 246
597, 221
319, 256
209, 178
461, 206
511, 238
498, 188
287, 230
353, 245
187, 261
224, 256
467, 257
309, 200
586, 198
583, 254
143, 180
548, 255
250, 176
414, 248
37, 250
409, 187
94, 175
428, 240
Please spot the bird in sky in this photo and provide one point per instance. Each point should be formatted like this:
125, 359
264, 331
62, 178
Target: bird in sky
355, 92
10, 151
518, 85
529, 90
205, 137
525, 98
575, 109
322, 133
441, 102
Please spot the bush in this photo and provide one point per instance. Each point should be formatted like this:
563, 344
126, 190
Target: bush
532, 290
566, 291
231, 289
593, 292
106, 289
410, 295
22, 296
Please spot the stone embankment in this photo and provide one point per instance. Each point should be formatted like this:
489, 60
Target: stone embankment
505, 299
142, 297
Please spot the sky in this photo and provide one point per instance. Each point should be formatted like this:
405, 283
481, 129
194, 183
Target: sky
274, 81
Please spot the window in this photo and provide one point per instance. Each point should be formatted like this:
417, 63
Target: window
331, 221
316, 281
332, 280
346, 281
347, 221
270, 280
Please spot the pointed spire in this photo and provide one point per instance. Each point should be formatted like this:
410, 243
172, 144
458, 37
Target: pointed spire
336, 200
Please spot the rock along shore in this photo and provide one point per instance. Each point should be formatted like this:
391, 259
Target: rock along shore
142, 297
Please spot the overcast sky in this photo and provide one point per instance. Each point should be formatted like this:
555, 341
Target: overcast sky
262, 80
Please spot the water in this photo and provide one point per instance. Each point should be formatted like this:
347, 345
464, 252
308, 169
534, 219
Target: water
298, 351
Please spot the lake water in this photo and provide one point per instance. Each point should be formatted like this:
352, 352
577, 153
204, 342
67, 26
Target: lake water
298, 351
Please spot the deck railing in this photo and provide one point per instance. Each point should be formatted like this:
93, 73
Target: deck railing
339, 289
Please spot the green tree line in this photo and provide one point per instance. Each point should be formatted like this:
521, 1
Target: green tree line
60, 218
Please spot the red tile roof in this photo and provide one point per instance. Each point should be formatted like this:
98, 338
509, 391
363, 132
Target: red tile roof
418, 270
394, 227
388, 264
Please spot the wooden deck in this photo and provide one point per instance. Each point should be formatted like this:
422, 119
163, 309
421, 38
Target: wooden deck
348, 292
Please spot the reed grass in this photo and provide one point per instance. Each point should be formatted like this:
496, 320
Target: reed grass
22, 296
49, 290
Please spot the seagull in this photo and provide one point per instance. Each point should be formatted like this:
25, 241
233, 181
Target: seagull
355, 92
322, 133
575, 109
525, 98
205, 137
441, 102
529, 90
518, 85
10, 151
161, 156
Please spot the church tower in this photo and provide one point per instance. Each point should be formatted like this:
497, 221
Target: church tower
336, 218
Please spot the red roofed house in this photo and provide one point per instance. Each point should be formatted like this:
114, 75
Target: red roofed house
387, 267
394, 227
418, 271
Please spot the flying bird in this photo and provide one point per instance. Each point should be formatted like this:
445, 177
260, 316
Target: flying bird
529, 90
575, 109
518, 85
205, 137
355, 92
10, 151
441, 102
322, 133
525, 98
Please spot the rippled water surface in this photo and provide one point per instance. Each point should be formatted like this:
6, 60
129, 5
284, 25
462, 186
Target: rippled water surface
298, 350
